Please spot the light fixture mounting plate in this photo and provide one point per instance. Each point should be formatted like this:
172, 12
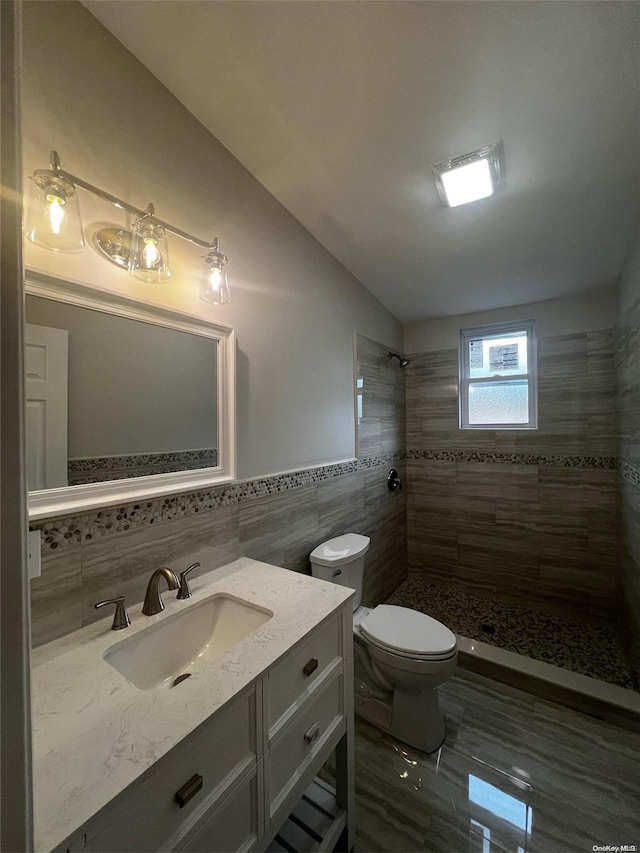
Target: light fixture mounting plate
114, 244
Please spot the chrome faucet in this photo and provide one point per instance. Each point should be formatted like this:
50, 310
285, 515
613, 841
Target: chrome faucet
153, 602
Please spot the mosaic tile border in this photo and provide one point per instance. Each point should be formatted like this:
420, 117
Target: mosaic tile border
629, 472
69, 530
555, 461
97, 469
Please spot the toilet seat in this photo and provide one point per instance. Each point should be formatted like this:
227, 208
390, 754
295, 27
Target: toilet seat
408, 633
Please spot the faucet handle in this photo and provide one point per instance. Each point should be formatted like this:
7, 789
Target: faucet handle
184, 591
120, 617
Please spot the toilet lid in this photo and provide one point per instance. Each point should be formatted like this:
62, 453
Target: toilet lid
341, 550
407, 631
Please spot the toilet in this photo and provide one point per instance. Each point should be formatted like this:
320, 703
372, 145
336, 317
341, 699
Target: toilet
401, 655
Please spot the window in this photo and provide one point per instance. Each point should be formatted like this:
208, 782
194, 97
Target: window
498, 388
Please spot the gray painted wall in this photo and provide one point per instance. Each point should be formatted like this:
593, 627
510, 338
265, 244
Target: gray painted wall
116, 126
585, 313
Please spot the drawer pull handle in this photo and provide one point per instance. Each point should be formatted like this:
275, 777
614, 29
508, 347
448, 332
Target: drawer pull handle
189, 790
310, 667
312, 733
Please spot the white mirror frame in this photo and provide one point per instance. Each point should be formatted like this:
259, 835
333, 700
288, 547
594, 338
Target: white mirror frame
68, 500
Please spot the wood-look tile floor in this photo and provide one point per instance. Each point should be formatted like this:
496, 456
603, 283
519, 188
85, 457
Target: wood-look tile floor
515, 774
582, 647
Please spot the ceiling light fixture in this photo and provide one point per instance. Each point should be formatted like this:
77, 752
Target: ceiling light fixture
470, 177
53, 221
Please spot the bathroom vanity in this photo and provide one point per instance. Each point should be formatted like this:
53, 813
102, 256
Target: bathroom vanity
221, 760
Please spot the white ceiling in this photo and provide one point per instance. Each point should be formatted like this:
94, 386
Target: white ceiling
341, 108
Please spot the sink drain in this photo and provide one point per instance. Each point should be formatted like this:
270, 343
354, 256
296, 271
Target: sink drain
181, 678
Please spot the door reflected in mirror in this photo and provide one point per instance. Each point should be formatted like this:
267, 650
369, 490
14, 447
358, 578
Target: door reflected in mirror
112, 398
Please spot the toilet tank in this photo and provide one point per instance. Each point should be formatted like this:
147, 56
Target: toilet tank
341, 561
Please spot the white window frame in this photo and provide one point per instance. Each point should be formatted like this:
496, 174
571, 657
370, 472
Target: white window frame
499, 330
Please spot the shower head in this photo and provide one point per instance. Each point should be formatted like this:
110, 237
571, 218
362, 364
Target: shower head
403, 361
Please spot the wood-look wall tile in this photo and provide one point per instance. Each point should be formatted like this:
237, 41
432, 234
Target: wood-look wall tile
431, 476
565, 527
340, 498
386, 562
602, 527
475, 514
549, 441
380, 503
279, 528
601, 434
56, 602
497, 480
467, 439
392, 438
122, 564
369, 437
627, 364
499, 553
587, 487
515, 518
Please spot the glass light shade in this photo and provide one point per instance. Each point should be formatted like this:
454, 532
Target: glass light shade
215, 283
470, 177
52, 217
468, 183
149, 254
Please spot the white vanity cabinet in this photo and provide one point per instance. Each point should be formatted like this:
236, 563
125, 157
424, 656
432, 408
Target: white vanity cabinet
220, 756
246, 768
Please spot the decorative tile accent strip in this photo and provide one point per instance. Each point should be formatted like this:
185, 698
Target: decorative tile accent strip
556, 461
89, 526
97, 469
629, 472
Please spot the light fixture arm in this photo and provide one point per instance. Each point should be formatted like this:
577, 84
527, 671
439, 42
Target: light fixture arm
123, 205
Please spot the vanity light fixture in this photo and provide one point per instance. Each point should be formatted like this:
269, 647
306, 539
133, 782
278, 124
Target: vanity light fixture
149, 253
114, 244
470, 177
215, 285
53, 215
53, 221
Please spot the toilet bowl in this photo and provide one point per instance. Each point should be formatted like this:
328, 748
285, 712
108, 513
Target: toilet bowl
401, 655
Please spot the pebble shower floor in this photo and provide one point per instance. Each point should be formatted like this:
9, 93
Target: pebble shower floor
582, 647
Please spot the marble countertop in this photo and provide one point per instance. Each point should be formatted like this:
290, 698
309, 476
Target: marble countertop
94, 732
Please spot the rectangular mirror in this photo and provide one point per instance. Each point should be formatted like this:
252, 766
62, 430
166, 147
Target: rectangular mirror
125, 400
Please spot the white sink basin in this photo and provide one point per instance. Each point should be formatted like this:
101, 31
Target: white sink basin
185, 642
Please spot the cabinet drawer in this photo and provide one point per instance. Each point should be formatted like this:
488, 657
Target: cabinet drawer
232, 826
297, 672
291, 753
147, 813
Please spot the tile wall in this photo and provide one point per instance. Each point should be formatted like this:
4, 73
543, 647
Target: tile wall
519, 515
278, 519
627, 350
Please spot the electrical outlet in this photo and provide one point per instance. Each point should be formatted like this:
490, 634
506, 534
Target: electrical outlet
33, 553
